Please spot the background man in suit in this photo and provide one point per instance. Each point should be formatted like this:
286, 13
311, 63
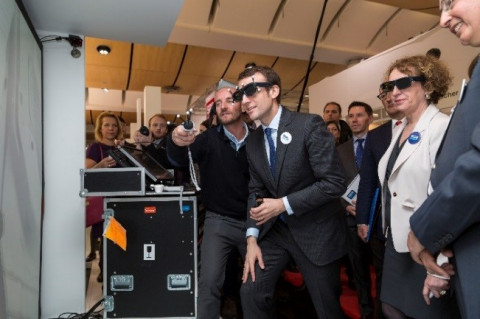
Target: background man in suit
332, 111
155, 143
450, 217
376, 144
299, 216
360, 116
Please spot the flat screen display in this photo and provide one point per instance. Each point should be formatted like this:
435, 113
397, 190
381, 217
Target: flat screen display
134, 157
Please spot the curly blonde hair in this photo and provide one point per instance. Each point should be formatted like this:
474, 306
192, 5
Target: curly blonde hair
437, 76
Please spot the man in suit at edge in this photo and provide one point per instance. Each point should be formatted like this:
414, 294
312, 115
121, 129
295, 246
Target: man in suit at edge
299, 216
359, 117
332, 111
450, 217
376, 144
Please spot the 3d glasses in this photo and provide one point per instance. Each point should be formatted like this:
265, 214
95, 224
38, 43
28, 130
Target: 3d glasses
249, 90
401, 83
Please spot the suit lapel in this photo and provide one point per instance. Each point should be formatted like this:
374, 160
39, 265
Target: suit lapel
420, 128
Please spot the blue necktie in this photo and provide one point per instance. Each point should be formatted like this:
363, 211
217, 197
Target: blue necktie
359, 152
271, 146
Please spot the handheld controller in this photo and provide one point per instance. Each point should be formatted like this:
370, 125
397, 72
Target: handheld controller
144, 130
188, 124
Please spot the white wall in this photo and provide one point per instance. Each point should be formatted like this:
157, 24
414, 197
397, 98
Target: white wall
63, 245
361, 81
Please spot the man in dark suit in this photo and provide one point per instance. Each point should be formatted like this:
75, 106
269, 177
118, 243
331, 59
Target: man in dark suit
332, 111
297, 173
376, 144
359, 117
450, 217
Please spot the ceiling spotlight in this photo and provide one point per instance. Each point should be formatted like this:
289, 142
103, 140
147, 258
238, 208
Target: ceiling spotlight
103, 49
76, 42
105, 90
75, 53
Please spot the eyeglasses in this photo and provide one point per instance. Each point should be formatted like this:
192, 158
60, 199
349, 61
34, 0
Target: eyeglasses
382, 96
401, 83
445, 5
249, 90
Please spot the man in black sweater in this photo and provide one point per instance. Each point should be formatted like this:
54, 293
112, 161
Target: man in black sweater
221, 157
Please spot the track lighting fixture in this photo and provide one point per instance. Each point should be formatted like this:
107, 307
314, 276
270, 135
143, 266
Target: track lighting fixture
74, 40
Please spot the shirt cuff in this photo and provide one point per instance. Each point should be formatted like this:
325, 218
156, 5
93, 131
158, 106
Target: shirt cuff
287, 205
252, 232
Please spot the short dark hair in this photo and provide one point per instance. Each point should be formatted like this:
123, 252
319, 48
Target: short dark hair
367, 107
434, 53
269, 74
334, 123
334, 103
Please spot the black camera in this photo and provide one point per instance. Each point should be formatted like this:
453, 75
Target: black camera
144, 130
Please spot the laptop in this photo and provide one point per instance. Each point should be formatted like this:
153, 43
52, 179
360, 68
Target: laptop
127, 156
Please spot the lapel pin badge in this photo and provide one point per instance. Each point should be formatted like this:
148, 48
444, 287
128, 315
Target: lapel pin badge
414, 138
286, 138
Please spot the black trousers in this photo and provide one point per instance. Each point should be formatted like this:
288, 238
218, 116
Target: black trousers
278, 247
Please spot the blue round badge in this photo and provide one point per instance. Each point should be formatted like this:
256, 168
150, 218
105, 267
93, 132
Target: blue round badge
414, 138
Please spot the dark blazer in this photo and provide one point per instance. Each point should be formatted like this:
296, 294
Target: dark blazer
451, 214
347, 158
376, 144
309, 173
345, 132
159, 153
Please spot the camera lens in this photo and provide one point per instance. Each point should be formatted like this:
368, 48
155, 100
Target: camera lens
144, 130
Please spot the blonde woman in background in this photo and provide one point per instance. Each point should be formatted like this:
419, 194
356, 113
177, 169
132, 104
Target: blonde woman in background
107, 132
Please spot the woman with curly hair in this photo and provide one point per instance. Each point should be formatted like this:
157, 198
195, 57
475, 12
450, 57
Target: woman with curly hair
415, 84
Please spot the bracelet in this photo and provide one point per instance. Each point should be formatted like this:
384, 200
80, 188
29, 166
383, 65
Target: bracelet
438, 276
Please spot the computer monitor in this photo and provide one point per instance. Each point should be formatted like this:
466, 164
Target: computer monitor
132, 157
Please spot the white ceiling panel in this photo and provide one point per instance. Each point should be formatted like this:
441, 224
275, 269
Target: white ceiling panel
341, 34
195, 13
299, 19
407, 24
247, 16
139, 21
99, 97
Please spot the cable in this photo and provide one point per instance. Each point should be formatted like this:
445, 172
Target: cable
50, 38
90, 314
311, 56
192, 171
87, 315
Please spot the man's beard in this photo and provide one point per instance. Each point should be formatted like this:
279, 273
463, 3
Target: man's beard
228, 120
